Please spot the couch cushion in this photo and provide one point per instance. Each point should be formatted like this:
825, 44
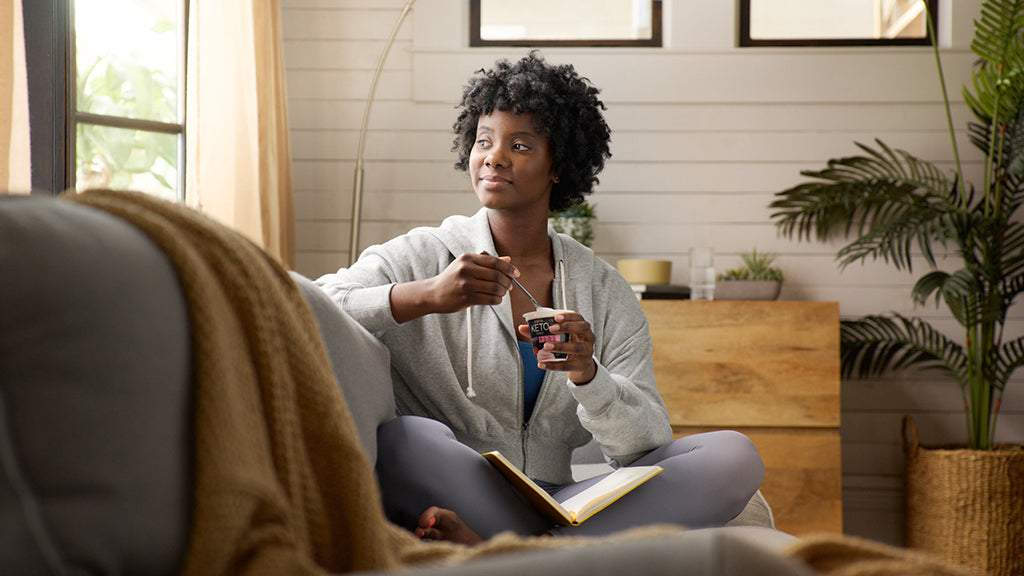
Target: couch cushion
95, 380
757, 512
362, 365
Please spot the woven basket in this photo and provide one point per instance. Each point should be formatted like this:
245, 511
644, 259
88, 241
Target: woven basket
966, 506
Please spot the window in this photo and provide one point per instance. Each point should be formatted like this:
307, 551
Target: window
537, 23
835, 23
106, 122
127, 106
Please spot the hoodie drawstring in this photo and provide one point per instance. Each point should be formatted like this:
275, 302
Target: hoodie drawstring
561, 273
470, 393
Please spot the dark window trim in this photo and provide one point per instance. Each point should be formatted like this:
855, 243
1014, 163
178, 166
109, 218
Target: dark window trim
746, 41
47, 32
655, 41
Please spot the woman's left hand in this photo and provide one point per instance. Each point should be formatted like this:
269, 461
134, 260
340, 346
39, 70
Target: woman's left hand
580, 348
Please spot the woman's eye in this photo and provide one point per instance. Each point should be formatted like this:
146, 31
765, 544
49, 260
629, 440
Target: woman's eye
482, 143
521, 147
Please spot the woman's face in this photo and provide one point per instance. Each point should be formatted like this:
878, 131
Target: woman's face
510, 163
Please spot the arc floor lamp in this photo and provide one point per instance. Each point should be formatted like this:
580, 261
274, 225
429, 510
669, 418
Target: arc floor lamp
357, 187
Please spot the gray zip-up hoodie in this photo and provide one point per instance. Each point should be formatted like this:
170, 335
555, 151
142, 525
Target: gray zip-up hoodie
432, 371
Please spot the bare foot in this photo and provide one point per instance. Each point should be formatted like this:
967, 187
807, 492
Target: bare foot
443, 524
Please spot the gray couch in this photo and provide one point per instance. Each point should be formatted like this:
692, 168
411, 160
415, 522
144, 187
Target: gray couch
95, 405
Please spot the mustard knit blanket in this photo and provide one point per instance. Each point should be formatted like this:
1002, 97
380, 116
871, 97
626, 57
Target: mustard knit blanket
281, 485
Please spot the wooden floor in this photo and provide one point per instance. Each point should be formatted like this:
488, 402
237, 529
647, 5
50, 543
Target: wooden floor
771, 371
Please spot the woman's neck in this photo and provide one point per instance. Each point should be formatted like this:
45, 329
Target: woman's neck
524, 239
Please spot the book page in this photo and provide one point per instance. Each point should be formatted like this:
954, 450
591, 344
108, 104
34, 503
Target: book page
608, 490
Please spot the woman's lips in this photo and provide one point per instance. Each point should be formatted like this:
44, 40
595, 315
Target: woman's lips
493, 181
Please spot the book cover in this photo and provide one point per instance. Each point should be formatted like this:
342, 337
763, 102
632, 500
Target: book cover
577, 509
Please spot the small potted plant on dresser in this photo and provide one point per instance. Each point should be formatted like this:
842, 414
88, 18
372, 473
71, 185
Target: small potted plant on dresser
758, 279
577, 222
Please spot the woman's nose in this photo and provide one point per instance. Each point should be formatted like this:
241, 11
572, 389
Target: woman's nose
496, 158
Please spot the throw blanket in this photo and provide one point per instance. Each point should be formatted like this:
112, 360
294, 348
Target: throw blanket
281, 483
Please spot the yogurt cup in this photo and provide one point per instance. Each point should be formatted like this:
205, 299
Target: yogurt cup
540, 322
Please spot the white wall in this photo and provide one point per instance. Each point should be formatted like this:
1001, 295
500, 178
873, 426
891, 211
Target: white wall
704, 134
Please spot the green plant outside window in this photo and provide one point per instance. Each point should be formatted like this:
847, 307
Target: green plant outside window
128, 124
126, 159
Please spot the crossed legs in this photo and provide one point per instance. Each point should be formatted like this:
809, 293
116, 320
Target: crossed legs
707, 480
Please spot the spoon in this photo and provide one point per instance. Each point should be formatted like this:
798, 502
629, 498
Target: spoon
528, 295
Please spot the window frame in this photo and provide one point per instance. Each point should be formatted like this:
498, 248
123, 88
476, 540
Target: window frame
655, 41
745, 41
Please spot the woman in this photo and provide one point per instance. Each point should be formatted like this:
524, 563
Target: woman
532, 137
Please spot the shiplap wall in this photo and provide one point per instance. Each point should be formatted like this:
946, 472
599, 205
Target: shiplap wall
703, 134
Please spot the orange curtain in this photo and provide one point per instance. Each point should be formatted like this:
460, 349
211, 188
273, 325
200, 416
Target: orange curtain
238, 160
15, 155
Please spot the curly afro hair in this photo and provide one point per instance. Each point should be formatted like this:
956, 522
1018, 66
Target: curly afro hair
565, 108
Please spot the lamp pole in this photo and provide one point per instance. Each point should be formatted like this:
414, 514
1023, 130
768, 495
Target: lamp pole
357, 185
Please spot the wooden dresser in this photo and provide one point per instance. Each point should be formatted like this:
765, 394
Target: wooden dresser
771, 371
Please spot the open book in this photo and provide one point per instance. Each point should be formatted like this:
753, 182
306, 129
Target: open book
583, 505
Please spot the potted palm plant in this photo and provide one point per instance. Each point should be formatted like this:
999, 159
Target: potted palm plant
887, 202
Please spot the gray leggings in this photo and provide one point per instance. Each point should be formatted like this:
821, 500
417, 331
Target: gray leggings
707, 480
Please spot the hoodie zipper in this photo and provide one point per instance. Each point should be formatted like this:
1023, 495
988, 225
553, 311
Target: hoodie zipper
560, 283
524, 423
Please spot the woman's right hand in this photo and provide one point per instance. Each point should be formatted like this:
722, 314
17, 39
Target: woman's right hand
471, 280
443, 524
